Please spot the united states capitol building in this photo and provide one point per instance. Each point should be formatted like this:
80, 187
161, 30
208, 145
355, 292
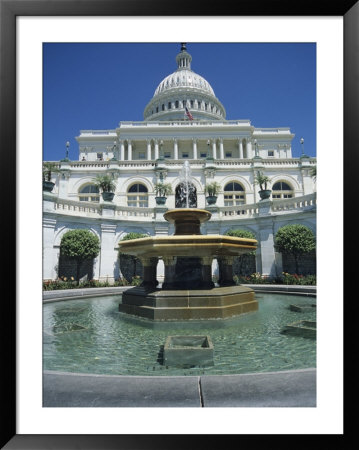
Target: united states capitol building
183, 121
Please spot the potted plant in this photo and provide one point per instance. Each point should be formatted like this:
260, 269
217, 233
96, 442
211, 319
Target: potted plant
263, 181
162, 190
107, 186
212, 190
48, 168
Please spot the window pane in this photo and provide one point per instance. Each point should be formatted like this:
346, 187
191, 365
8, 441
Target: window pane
142, 188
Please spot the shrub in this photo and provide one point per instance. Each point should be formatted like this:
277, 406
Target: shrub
295, 240
212, 189
163, 189
262, 180
105, 183
129, 263
79, 245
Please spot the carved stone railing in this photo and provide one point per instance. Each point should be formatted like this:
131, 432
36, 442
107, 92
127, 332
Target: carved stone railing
73, 207
296, 203
131, 212
120, 212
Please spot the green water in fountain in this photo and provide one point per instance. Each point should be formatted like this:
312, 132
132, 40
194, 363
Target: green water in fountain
91, 336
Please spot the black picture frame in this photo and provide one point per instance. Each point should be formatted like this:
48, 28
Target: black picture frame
9, 10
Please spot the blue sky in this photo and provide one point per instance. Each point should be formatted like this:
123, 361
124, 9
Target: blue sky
95, 86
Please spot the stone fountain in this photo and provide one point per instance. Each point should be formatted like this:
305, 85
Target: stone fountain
188, 292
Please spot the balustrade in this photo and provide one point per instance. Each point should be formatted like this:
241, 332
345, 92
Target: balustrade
244, 211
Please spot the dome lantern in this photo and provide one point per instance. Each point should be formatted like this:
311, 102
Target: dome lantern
183, 58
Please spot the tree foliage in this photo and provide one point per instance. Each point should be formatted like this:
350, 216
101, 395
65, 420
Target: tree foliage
295, 240
133, 235
130, 264
80, 245
240, 233
243, 260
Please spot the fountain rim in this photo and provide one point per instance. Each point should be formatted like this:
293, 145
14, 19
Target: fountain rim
202, 215
226, 378
177, 245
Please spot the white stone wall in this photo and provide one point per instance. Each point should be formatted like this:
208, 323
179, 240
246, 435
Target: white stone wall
110, 230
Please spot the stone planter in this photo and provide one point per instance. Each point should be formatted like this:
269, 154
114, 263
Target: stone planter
160, 200
47, 186
108, 196
265, 194
211, 199
188, 351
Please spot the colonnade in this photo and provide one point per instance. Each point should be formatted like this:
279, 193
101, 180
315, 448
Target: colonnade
215, 148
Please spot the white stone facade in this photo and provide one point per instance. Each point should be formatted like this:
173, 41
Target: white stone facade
229, 152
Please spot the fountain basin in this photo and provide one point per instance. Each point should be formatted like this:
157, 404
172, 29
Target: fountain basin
198, 245
184, 351
188, 291
199, 304
187, 220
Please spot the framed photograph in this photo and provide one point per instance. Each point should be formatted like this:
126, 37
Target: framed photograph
34, 32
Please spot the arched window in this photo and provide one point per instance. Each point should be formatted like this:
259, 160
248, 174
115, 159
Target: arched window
234, 194
137, 196
281, 189
89, 193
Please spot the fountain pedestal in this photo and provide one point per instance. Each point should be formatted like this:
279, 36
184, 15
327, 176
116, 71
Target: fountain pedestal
188, 292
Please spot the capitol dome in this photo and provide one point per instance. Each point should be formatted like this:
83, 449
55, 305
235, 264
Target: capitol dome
184, 88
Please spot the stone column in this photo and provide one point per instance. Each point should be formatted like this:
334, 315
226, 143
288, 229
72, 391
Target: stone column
129, 150
149, 150
149, 272
108, 252
226, 271
249, 149
214, 149
49, 252
240, 148
156, 150
175, 148
170, 268
221, 149
194, 148
207, 272
266, 257
122, 150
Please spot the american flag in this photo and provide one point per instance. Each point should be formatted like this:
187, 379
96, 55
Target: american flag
188, 114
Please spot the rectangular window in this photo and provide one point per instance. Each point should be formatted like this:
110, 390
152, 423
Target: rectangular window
169, 105
167, 155
228, 154
270, 152
185, 155
100, 156
203, 155
142, 155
